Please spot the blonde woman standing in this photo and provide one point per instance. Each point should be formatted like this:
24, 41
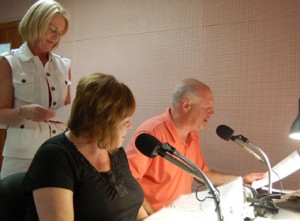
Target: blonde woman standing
34, 83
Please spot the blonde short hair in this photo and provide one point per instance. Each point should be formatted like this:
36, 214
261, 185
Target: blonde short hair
35, 22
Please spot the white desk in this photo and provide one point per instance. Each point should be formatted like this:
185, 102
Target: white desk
171, 214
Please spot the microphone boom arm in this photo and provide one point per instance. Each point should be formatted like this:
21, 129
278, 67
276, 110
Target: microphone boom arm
180, 165
226, 133
199, 175
239, 139
240, 142
267, 162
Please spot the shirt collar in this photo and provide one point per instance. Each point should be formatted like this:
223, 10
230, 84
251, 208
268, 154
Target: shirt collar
26, 54
173, 130
170, 125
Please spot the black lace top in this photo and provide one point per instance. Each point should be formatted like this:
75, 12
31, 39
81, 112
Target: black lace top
112, 195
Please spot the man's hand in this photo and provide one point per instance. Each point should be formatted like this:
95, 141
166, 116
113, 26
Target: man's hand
251, 177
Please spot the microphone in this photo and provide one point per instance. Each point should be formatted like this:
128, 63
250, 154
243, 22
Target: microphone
147, 145
226, 133
151, 147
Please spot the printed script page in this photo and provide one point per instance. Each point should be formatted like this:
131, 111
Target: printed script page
283, 169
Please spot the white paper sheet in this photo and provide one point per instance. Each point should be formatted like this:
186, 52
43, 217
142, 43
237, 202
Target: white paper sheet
187, 207
62, 114
283, 169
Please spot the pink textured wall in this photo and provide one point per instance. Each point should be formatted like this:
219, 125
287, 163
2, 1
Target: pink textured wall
247, 51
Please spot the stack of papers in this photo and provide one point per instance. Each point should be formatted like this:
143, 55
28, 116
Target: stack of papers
188, 207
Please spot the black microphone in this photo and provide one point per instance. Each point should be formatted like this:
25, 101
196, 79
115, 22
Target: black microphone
150, 146
226, 133
147, 145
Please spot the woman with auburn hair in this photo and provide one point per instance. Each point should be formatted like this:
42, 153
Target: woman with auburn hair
83, 174
34, 83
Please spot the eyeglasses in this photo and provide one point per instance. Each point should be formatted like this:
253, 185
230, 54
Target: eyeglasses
54, 30
208, 109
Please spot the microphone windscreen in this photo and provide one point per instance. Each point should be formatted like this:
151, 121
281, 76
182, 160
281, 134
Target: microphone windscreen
224, 132
147, 145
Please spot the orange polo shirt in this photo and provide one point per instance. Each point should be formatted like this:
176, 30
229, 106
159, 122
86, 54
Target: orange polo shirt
162, 181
